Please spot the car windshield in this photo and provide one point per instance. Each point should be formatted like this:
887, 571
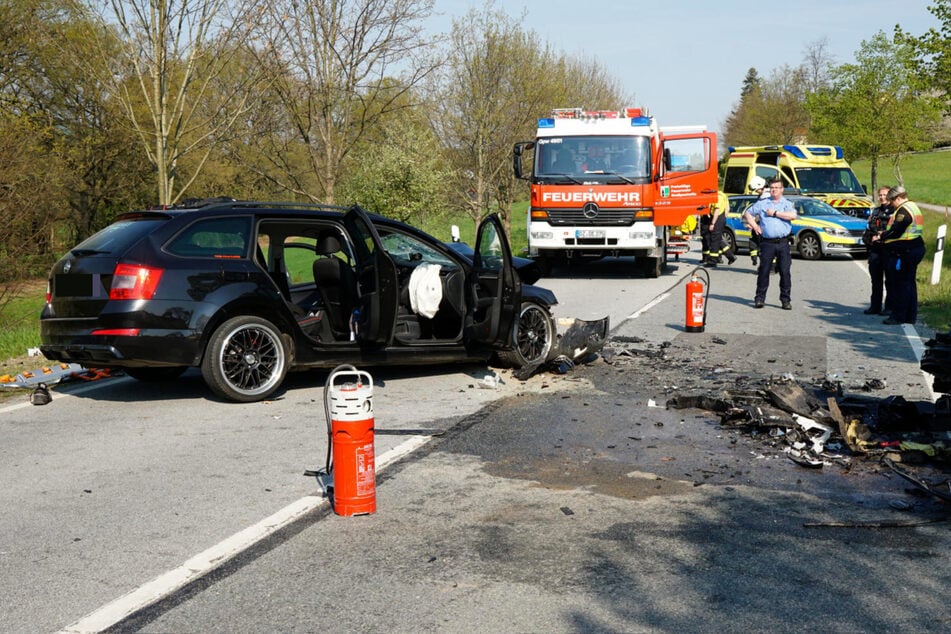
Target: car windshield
408, 250
812, 207
828, 180
583, 156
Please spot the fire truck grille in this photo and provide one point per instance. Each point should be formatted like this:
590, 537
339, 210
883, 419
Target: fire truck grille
604, 218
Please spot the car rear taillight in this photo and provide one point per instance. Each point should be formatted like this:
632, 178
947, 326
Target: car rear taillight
49, 292
130, 281
117, 332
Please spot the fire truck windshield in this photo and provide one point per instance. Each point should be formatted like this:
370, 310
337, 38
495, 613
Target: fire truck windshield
627, 157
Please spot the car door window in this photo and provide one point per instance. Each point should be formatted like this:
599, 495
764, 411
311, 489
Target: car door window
299, 255
213, 238
490, 249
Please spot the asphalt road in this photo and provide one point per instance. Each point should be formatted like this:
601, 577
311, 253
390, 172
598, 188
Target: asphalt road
564, 504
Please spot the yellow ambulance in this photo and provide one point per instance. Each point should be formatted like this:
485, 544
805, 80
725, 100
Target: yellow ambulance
820, 171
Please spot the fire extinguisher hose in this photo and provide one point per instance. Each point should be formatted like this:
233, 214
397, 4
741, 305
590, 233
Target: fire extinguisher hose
329, 463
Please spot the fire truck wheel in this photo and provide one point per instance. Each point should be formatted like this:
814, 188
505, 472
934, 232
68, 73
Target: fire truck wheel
532, 337
654, 267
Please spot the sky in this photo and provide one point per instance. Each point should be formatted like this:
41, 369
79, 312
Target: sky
685, 60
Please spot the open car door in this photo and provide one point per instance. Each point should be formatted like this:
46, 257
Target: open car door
377, 282
688, 182
495, 287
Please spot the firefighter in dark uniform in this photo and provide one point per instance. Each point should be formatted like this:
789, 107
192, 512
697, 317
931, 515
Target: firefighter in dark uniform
713, 247
707, 223
756, 187
877, 221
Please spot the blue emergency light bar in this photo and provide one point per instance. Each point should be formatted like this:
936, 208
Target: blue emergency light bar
821, 150
640, 121
547, 122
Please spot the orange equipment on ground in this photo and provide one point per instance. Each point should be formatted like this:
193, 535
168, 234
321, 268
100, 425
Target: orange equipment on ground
351, 423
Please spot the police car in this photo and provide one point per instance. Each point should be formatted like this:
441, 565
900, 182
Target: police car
819, 231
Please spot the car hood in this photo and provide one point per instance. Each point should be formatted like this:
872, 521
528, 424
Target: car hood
852, 224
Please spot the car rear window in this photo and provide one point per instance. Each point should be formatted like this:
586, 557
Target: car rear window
120, 235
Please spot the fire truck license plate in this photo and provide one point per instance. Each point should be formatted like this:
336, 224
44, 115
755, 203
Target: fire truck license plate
589, 233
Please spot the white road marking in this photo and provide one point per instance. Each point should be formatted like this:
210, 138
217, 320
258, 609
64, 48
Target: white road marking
58, 394
649, 305
206, 561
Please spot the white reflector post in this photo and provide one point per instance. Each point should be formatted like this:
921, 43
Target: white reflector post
938, 254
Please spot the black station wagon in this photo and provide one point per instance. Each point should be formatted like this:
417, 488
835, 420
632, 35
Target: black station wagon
248, 291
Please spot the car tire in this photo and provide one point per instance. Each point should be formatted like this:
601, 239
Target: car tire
809, 246
532, 337
245, 360
730, 238
156, 375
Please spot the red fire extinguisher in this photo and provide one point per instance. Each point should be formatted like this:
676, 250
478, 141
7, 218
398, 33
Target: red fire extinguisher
697, 292
351, 437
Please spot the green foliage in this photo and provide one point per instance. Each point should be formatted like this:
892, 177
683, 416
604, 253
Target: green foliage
934, 302
484, 103
932, 52
751, 84
874, 107
924, 174
20, 306
399, 174
771, 111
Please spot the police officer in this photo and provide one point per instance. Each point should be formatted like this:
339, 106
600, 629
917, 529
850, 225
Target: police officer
877, 222
772, 218
904, 249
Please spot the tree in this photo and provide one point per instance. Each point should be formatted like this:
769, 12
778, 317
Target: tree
478, 103
399, 172
335, 68
67, 148
770, 111
818, 62
498, 79
751, 84
875, 107
932, 52
164, 73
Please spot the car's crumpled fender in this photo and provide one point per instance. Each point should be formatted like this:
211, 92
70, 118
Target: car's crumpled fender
538, 294
581, 341
582, 338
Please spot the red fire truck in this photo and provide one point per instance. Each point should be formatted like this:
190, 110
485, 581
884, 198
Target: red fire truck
613, 183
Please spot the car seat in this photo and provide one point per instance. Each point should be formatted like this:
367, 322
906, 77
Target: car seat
336, 283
